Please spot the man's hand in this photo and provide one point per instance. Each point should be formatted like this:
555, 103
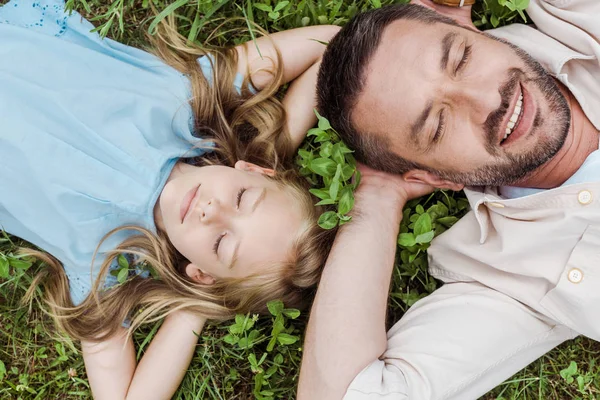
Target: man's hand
462, 15
384, 191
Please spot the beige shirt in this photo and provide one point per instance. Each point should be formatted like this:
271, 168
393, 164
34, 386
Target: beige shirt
522, 275
543, 249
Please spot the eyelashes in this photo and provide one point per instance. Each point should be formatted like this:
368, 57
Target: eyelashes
217, 243
465, 59
239, 196
221, 236
440, 129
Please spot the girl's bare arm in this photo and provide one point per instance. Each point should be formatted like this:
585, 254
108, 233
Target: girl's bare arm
111, 365
301, 50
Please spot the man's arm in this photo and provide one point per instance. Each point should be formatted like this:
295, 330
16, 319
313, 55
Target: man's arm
346, 330
111, 365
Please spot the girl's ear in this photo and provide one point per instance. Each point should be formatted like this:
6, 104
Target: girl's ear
426, 177
198, 276
247, 166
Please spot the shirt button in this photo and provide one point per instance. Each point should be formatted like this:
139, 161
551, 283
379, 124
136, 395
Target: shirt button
575, 275
584, 197
496, 205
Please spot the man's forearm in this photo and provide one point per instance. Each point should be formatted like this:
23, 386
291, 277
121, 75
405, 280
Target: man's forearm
346, 330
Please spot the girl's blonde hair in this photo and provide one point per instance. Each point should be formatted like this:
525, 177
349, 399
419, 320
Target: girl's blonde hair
243, 127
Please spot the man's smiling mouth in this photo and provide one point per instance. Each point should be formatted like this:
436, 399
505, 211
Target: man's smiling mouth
515, 117
520, 121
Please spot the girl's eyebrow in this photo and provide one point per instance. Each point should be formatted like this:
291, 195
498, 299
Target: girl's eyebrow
259, 200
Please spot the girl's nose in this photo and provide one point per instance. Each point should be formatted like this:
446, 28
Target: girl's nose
211, 211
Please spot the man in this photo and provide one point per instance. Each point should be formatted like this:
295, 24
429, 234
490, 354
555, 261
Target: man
423, 94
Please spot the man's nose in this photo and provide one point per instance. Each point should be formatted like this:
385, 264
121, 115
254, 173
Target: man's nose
478, 98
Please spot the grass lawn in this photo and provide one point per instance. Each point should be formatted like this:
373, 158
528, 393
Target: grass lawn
252, 357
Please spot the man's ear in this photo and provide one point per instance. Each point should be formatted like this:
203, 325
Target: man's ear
431, 179
247, 166
461, 15
198, 276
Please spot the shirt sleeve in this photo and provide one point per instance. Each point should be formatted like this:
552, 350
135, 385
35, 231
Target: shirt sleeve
458, 343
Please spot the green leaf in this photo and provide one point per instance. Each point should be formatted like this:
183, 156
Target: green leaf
325, 202
494, 20
278, 359
423, 224
407, 239
123, 274
320, 193
568, 373
335, 184
323, 166
2, 371
521, 4
347, 171
425, 237
281, 5
19, 264
273, 15
328, 220
231, 339
291, 313
314, 132
337, 154
275, 307
285, 339
346, 200
3, 267
122, 261
164, 13
263, 7
447, 221
326, 149
323, 122
307, 155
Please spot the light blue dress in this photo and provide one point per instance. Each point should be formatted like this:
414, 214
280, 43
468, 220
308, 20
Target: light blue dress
90, 129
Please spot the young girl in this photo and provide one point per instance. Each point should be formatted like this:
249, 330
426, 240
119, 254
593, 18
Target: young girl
108, 151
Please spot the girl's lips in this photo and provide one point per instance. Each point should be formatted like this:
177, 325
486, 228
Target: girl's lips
187, 202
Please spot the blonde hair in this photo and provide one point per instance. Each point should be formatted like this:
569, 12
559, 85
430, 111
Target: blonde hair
242, 126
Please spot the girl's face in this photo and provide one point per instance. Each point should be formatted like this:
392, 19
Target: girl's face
227, 222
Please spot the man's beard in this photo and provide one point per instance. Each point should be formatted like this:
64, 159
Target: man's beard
511, 168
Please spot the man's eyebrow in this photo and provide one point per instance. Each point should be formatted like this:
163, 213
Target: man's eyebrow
234, 258
420, 122
446, 46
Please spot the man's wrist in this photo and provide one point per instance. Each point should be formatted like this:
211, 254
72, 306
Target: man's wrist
385, 207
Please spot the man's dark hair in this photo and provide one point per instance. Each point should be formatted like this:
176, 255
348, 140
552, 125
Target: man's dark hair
342, 78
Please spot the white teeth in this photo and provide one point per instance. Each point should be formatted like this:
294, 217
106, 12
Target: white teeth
514, 117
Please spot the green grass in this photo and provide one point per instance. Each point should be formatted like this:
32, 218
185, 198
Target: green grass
252, 358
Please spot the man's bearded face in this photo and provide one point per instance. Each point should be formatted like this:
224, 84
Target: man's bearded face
469, 107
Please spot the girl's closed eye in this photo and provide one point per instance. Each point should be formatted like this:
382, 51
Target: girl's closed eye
239, 196
217, 243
